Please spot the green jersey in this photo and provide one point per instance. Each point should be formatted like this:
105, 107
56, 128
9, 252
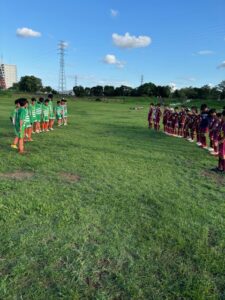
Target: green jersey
20, 116
38, 108
27, 119
51, 110
45, 113
32, 112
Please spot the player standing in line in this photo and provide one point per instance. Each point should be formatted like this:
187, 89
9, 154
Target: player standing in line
20, 125
38, 110
204, 125
32, 111
150, 115
45, 118
221, 142
13, 117
51, 112
28, 125
157, 117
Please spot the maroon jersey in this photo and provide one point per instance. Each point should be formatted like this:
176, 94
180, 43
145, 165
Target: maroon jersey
222, 141
150, 114
181, 118
216, 130
158, 114
165, 116
175, 116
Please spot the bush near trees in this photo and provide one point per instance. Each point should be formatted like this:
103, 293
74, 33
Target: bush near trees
152, 90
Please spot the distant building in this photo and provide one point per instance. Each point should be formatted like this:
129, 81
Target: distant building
8, 75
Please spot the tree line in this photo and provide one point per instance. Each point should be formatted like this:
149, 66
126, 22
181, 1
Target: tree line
33, 84
152, 90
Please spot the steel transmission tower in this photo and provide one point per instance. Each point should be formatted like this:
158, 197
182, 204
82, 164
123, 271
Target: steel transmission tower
142, 79
76, 80
62, 76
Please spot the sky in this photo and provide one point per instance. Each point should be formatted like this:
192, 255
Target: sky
114, 42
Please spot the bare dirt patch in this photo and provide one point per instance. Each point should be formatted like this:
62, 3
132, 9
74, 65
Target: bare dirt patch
17, 175
69, 177
216, 177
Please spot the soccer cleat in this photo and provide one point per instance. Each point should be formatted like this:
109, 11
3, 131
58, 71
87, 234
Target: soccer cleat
214, 153
47, 130
210, 149
191, 141
14, 146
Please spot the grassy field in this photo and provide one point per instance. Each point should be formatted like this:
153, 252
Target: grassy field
106, 209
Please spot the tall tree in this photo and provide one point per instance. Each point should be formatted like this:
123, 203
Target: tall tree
79, 91
30, 84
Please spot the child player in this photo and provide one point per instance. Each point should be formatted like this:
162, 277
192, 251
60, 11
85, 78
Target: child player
20, 125
64, 111
175, 123
58, 113
221, 165
215, 134
204, 124
156, 118
150, 115
38, 110
181, 121
166, 113
51, 112
32, 111
28, 125
45, 118
212, 120
13, 120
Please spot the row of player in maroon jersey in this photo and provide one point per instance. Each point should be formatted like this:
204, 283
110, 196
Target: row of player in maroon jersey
193, 125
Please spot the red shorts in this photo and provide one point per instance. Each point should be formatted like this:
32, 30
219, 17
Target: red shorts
204, 130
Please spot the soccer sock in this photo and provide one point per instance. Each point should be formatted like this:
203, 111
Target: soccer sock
21, 145
215, 148
203, 140
220, 164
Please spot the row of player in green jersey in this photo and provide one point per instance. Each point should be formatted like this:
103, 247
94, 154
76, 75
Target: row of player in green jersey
35, 117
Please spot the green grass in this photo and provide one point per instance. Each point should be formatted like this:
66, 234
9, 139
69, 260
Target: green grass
145, 220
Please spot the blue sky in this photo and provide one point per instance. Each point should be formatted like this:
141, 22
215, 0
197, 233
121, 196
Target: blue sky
176, 42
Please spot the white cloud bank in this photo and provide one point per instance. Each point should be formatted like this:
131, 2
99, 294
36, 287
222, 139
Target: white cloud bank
111, 59
222, 65
114, 13
27, 33
128, 41
205, 52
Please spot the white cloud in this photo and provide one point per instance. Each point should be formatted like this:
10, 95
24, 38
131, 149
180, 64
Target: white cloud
65, 45
27, 32
222, 65
114, 13
111, 59
205, 52
127, 41
173, 86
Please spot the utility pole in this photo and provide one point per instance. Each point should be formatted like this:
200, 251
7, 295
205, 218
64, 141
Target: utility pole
62, 76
